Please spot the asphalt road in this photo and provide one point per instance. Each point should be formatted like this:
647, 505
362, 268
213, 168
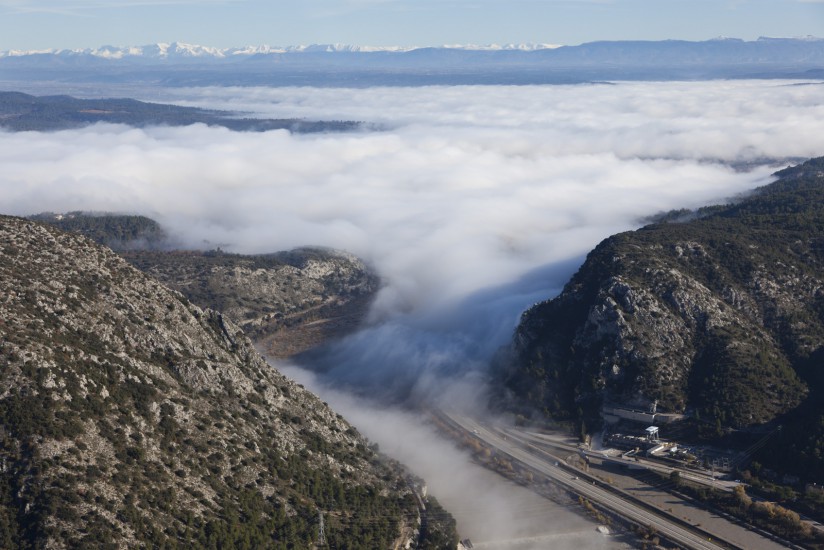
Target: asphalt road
693, 476
732, 532
545, 464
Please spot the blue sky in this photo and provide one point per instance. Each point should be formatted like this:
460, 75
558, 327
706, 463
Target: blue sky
34, 24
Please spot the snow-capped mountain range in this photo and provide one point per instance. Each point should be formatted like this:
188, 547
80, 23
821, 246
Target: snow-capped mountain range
341, 65
184, 50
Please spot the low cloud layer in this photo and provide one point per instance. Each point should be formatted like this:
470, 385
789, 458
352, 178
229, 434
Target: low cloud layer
471, 203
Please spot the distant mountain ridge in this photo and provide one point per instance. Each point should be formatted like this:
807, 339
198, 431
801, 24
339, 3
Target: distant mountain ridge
165, 50
360, 66
23, 112
183, 50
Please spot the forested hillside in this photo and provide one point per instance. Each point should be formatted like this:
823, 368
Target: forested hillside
22, 112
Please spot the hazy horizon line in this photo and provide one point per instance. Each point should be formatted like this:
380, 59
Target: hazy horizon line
343, 47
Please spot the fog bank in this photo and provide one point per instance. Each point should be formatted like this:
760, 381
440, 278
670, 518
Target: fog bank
471, 202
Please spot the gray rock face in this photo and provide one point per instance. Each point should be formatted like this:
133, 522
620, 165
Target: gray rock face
287, 302
723, 316
134, 417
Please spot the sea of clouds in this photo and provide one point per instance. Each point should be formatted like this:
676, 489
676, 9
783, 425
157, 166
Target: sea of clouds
471, 202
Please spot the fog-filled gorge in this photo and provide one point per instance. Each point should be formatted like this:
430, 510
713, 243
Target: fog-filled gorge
471, 203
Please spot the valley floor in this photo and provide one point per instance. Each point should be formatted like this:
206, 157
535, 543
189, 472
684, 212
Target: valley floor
490, 510
516, 517
690, 512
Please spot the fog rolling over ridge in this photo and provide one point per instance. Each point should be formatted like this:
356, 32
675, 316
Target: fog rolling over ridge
472, 203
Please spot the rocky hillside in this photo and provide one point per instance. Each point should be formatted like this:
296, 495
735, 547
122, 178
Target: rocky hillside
132, 418
287, 302
721, 316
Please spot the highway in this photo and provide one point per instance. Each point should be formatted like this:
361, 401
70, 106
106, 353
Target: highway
565, 444
544, 464
561, 443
